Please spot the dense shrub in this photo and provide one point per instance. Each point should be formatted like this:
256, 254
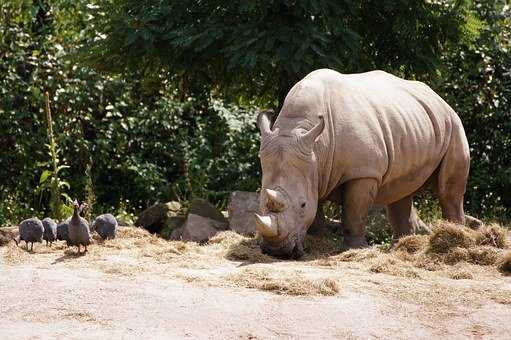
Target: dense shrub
477, 84
141, 143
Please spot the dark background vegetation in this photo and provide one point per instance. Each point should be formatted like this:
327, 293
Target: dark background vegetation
156, 100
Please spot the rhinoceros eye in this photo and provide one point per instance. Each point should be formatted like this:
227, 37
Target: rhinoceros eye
303, 205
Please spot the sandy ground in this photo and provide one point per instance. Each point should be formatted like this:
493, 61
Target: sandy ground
201, 292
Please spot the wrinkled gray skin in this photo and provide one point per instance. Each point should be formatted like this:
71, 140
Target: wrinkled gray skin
359, 140
31, 230
50, 230
106, 226
78, 229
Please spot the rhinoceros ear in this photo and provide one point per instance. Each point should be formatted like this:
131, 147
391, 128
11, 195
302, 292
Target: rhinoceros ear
264, 122
308, 138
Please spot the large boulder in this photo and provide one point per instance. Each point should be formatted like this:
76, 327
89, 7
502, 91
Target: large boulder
242, 206
153, 218
202, 207
172, 226
198, 229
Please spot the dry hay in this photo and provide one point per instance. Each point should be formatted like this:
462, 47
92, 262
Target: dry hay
352, 255
492, 235
283, 282
82, 316
240, 248
453, 251
317, 246
15, 255
460, 274
392, 265
146, 248
447, 236
449, 245
412, 243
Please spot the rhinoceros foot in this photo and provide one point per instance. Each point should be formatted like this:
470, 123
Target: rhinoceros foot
354, 242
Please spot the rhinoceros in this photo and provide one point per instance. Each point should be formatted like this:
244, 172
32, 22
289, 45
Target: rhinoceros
360, 140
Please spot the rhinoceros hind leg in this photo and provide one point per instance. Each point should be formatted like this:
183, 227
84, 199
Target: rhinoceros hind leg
404, 220
358, 197
452, 178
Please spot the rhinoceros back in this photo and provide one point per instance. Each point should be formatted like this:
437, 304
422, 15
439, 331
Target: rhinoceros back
378, 126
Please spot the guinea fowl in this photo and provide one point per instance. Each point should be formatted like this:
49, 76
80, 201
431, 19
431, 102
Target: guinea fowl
106, 226
50, 230
31, 230
62, 231
78, 229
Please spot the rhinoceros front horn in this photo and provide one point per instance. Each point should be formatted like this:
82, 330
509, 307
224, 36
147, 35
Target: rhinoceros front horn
265, 226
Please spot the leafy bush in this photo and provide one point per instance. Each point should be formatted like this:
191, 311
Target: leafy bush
476, 82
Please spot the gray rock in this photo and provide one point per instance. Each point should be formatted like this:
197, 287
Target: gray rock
202, 207
106, 226
31, 230
176, 234
199, 229
50, 230
153, 218
170, 225
242, 206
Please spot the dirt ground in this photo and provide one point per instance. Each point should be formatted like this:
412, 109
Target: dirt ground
140, 286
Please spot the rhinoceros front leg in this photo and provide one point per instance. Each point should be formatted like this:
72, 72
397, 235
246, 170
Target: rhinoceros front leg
358, 196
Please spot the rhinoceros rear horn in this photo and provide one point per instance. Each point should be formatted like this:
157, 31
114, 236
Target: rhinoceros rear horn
264, 122
308, 138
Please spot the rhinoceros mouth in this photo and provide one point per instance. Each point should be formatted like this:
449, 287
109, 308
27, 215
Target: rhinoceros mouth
289, 247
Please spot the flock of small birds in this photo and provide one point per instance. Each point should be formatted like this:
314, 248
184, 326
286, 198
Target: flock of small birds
75, 230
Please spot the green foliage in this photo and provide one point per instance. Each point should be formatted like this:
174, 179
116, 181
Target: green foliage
90, 196
477, 84
261, 48
378, 229
50, 180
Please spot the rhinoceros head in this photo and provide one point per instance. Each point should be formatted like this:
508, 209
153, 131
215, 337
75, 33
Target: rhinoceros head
289, 194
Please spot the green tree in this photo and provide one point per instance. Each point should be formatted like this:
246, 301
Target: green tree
476, 81
261, 48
